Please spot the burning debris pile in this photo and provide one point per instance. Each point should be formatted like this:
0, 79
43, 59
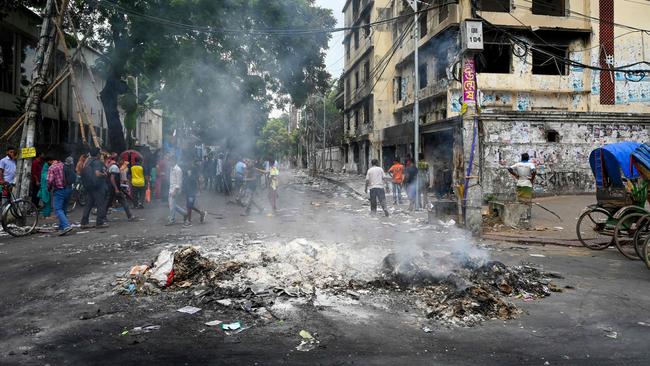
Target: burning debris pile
470, 293
457, 288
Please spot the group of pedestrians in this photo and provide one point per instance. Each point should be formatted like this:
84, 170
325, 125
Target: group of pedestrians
412, 178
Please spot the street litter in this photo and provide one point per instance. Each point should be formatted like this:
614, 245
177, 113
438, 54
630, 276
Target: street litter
189, 310
225, 302
231, 326
308, 343
213, 323
427, 330
142, 330
610, 334
537, 255
644, 324
138, 270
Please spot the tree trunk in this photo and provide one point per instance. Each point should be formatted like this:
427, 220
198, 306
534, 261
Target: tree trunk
112, 89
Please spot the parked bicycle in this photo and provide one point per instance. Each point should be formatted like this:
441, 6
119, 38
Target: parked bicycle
19, 216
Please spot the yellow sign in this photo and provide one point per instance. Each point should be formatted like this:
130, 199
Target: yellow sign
28, 152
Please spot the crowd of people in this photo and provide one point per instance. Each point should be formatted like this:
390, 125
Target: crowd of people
110, 181
410, 177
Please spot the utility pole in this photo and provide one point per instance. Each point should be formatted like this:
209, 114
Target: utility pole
323, 152
416, 97
46, 47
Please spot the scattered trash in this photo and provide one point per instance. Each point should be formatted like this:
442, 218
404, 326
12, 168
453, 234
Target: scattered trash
644, 324
142, 330
537, 255
131, 288
189, 310
90, 303
82, 232
558, 228
308, 343
138, 270
610, 334
162, 266
427, 330
213, 323
225, 302
231, 326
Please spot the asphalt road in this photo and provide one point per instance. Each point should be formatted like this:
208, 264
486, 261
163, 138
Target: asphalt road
58, 307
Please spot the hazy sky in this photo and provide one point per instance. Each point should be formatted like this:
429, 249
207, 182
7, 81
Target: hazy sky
334, 59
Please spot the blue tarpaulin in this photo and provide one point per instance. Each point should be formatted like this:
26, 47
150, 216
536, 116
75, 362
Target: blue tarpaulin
641, 156
612, 162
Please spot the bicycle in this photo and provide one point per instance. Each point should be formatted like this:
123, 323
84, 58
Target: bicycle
19, 216
78, 197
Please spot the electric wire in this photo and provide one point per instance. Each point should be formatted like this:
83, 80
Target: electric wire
107, 4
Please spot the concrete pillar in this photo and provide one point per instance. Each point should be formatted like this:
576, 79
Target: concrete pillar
473, 199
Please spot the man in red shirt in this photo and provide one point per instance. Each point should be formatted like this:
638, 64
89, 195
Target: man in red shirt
396, 171
37, 168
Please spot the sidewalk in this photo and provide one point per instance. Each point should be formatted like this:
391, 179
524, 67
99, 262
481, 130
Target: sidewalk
546, 228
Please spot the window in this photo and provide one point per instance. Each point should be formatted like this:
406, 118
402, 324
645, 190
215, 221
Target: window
366, 71
502, 6
443, 11
347, 49
356, 79
397, 85
356, 39
355, 8
548, 60
495, 59
441, 68
366, 28
356, 120
549, 7
422, 71
347, 87
7, 49
423, 25
366, 113
552, 136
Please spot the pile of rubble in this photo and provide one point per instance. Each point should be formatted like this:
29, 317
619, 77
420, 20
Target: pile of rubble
457, 288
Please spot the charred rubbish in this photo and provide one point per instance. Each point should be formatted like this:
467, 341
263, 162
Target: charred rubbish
459, 287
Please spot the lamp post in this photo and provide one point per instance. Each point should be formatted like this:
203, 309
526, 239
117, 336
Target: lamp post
416, 92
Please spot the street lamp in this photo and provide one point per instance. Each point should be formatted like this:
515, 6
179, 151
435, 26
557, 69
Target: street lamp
416, 91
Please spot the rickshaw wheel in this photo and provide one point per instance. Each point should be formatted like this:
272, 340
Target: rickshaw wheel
646, 252
593, 230
641, 234
624, 234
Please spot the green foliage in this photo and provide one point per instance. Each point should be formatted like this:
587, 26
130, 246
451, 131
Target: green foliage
275, 139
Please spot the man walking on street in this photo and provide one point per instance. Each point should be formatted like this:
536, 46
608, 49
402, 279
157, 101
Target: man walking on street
220, 184
115, 190
191, 187
375, 181
59, 181
396, 171
93, 177
410, 182
138, 183
525, 173
37, 168
8, 171
175, 185
423, 181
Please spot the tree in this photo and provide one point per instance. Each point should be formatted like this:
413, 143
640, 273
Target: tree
275, 139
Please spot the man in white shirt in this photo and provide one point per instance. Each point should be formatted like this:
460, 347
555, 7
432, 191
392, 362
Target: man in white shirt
375, 181
525, 173
175, 185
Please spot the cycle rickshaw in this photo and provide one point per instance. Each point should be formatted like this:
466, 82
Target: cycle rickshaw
621, 194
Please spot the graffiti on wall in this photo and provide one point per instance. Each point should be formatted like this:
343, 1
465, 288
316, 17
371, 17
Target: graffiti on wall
550, 181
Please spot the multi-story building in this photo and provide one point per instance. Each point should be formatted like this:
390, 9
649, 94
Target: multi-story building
367, 106
540, 90
58, 130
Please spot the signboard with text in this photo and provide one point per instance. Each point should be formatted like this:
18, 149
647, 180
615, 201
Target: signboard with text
473, 35
469, 81
28, 152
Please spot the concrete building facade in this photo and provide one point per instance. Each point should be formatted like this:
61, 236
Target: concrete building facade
540, 90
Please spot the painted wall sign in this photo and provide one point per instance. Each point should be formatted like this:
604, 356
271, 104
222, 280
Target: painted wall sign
469, 81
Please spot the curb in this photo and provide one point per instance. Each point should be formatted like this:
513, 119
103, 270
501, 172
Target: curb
343, 185
532, 240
